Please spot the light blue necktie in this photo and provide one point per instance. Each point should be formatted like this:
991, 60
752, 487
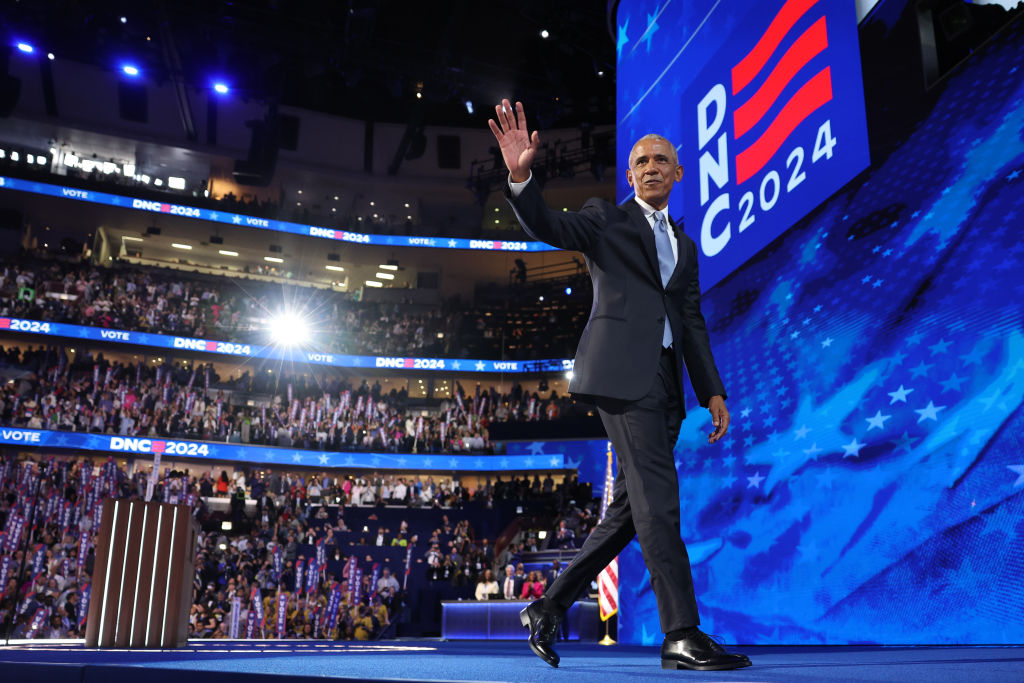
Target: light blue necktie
666, 262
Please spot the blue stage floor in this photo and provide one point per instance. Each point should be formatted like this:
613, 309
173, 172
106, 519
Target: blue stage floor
432, 660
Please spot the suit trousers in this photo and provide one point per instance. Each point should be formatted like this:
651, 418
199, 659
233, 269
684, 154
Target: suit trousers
645, 502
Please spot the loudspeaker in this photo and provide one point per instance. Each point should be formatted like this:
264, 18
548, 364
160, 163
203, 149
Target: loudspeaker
132, 102
288, 131
449, 151
258, 169
152, 230
10, 87
275, 249
216, 239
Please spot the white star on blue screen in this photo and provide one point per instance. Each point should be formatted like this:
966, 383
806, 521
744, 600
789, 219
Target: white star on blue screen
852, 449
899, 395
623, 39
877, 420
652, 26
929, 412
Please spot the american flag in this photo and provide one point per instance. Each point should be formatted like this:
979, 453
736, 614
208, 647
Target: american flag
608, 579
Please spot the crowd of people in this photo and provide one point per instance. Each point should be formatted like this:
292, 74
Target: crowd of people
293, 569
242, 311
88, 393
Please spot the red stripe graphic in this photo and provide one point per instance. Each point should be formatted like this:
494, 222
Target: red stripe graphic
748, 67
814, 93
808, 46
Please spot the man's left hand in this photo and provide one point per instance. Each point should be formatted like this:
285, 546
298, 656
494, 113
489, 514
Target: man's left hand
719, 417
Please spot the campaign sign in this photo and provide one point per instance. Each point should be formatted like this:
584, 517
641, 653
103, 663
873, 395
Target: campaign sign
772, 126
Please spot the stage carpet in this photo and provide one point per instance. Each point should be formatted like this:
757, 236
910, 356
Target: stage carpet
274, 661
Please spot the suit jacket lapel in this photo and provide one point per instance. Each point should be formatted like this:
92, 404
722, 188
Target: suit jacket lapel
641, 225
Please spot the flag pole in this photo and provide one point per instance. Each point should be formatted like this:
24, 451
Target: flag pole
607, 640
608, 578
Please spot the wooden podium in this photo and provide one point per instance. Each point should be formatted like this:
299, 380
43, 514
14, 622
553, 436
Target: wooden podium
142, 576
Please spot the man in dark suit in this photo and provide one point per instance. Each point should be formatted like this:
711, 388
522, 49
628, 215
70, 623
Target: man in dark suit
645, 326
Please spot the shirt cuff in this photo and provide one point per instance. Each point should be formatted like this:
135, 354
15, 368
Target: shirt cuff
517, 188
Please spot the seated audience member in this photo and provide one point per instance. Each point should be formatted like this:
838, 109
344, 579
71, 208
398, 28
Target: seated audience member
533, 589
486, 586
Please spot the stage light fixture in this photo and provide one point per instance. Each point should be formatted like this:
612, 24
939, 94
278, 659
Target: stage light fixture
176, 183
26, 48
289, 329
221, 88
130, 70
568, 374
124, 20
49, 55
544, 34
568, 291
469, 107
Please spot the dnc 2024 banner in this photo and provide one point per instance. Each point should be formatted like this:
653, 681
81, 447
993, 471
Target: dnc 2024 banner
769, 122
260, 223
871, 486
295, 355
188, 449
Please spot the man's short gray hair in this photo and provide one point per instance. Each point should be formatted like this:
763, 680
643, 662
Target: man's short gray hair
656, 138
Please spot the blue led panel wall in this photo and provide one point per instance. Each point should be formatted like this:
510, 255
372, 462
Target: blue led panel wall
766, 129
871, 487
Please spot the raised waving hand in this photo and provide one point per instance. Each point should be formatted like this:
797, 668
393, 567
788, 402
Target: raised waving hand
517, 145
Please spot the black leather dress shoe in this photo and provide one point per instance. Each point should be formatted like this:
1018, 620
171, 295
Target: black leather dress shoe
543, 626
700, 653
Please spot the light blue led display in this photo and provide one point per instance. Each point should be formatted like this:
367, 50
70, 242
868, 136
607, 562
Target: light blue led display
871, 486
240, 219
266, 455
338, 360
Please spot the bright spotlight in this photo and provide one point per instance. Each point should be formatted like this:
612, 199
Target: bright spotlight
544, 34
568, 291
568, 374
26, 48
289, 329
49, 55
221, 88
130, 70
469, 107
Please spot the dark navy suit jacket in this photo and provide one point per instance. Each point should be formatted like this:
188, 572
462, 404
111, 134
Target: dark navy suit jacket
618, 352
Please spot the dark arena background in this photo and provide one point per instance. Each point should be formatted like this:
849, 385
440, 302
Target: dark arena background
257, 260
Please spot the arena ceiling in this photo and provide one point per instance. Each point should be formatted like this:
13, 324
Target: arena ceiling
356, 58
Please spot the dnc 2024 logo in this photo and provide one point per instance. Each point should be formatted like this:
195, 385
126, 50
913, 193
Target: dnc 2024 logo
775, 125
